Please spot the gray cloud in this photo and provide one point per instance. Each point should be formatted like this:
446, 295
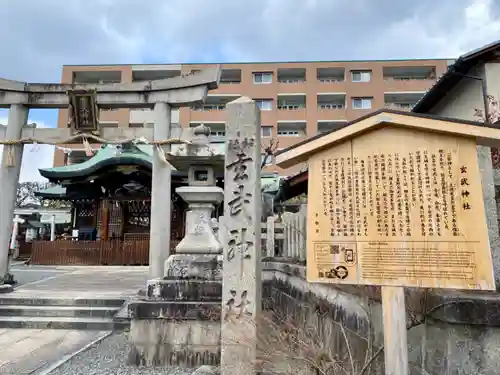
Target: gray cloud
41, 36
44, 35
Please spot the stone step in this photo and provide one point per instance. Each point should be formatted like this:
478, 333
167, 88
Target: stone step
59, 322
58, 311
45, 301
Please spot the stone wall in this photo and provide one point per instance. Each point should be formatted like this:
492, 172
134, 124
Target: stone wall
336, 326
460, 335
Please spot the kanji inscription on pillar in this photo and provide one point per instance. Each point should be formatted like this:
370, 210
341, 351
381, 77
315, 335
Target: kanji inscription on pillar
398, 207
240, 233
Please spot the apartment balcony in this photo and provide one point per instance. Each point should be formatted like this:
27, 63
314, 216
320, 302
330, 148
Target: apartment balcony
217, 131
214, 108
230, 77
329, 126
409, 78
146, 116
331, 106
152, 72
230, 81
97, 76
330, 79
291, 132
77, 157
291, 80
109, 114
291, 106
403, 101
400, 106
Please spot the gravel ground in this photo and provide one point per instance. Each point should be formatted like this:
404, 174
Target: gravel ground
108, 358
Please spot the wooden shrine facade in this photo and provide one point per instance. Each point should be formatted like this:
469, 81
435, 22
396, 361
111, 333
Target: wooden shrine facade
110, 199
109, 232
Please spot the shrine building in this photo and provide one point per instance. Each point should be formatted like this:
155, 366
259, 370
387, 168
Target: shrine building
110, 200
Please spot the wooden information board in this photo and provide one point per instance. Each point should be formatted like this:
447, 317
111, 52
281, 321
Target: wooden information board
401, 207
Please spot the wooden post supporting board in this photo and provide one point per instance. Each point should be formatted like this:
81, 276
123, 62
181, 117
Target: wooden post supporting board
395, 336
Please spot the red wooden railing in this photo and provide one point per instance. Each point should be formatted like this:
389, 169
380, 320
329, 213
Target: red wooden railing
117, 252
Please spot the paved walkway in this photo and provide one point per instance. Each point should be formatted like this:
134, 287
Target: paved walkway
35, 351
80, 282
28, 351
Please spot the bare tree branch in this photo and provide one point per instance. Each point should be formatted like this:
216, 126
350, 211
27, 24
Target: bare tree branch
269, 152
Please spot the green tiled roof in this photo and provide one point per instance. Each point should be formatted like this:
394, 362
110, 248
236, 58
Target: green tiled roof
136, 155
270, 184
107, 155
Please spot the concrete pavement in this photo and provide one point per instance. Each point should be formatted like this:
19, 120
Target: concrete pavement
79, 281
31, 351
29, 274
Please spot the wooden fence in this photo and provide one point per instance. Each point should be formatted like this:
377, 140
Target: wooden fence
133, 252
25, 249
285, 237
111, 252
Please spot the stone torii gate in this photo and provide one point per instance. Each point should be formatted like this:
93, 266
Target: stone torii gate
84, 103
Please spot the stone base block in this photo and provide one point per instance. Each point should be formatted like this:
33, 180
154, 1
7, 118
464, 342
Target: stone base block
184, 290
9, 279
207, 370
6, 288
161, 342
193, 266
175, 310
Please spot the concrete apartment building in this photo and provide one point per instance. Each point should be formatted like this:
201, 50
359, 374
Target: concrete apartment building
297, 100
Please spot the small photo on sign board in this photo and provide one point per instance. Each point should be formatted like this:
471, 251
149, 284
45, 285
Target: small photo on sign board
401, 207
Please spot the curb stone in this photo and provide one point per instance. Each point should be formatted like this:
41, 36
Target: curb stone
206, 370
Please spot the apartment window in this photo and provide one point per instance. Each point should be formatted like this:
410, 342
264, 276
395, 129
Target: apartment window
361, 75
361, 103
136, 125
266, 131
219, 133
262, 78
290, 106
264, 104
288, 133
331, 106
212, 107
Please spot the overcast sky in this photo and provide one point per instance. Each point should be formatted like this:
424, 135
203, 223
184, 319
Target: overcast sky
41, 36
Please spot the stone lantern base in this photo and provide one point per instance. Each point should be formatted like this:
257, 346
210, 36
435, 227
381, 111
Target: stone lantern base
199, 237
178, 323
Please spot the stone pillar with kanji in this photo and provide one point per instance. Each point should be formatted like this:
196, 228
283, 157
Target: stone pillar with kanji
241, 235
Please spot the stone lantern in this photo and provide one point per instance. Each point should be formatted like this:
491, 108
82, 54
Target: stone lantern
202, 164
187, 300
201, 196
